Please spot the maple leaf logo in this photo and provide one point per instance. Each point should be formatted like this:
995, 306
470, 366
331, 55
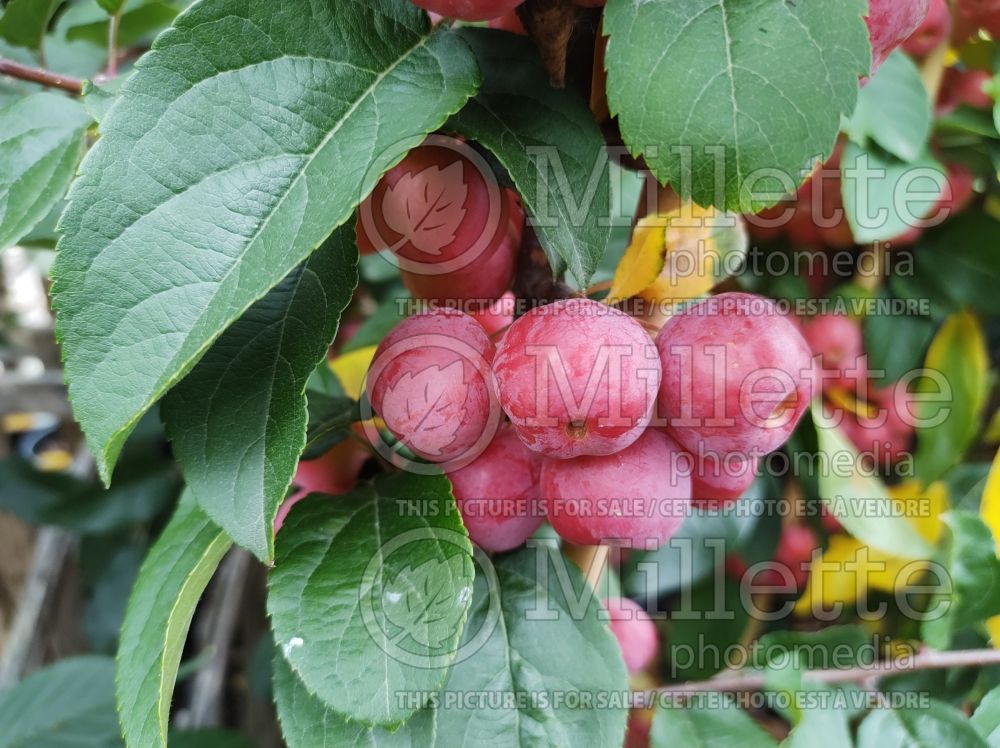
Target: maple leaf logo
421, 601
423, 402
427, 207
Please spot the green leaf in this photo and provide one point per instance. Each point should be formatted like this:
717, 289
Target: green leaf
986, 718
953, 396
956, 266
44, 498
718, 94
708, 618
208, 738
41, 142
701, 544
835, 647
527, 637
938, 725
860, 501
885, 196
539, 133
698, 725
238, 420
170, 584
140, 19
24, 22
330, 417
341, 591
896, 343
97, 100
111, 6
974, 572
109, 593
306, 722
57, 705
214, 178
894, 110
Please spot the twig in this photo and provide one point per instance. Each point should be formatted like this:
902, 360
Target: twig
39, 75
111, 70
52, 548
929, 660
222, 615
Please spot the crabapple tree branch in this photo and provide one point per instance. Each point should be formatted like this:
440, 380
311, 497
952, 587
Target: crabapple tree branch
928, 660
66, 83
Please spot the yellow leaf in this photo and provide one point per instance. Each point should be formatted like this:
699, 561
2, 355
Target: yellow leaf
959, 356
848, 568
643, 259
351, 368
678, 255
989, 510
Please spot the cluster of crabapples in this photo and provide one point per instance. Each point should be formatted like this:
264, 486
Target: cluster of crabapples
571, 412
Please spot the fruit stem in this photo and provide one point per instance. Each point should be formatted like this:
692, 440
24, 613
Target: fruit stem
41, 76
592, 560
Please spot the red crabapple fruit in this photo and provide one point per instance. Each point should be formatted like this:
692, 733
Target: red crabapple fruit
635, 632
838, 343
334, 472
736, 376
499, 315
637, 497
959, 191
497, 493
716, 482
482, 283
468, 10
963, 87
890, 22
510, 21
577, 377
932, 32
431, 384
439, 210
791, 559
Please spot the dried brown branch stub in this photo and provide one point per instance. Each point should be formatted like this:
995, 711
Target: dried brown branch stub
550, 23
534, 281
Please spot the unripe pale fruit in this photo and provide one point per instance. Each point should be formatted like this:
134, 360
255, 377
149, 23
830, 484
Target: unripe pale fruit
497, 493
838, 343
736, 376
637, 497
635, 632
890, 22
469, 10
577, 377
439, 210
430, 382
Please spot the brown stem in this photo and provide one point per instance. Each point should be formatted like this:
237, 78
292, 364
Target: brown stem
38, 75
929, 660
533, 281
590, 558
